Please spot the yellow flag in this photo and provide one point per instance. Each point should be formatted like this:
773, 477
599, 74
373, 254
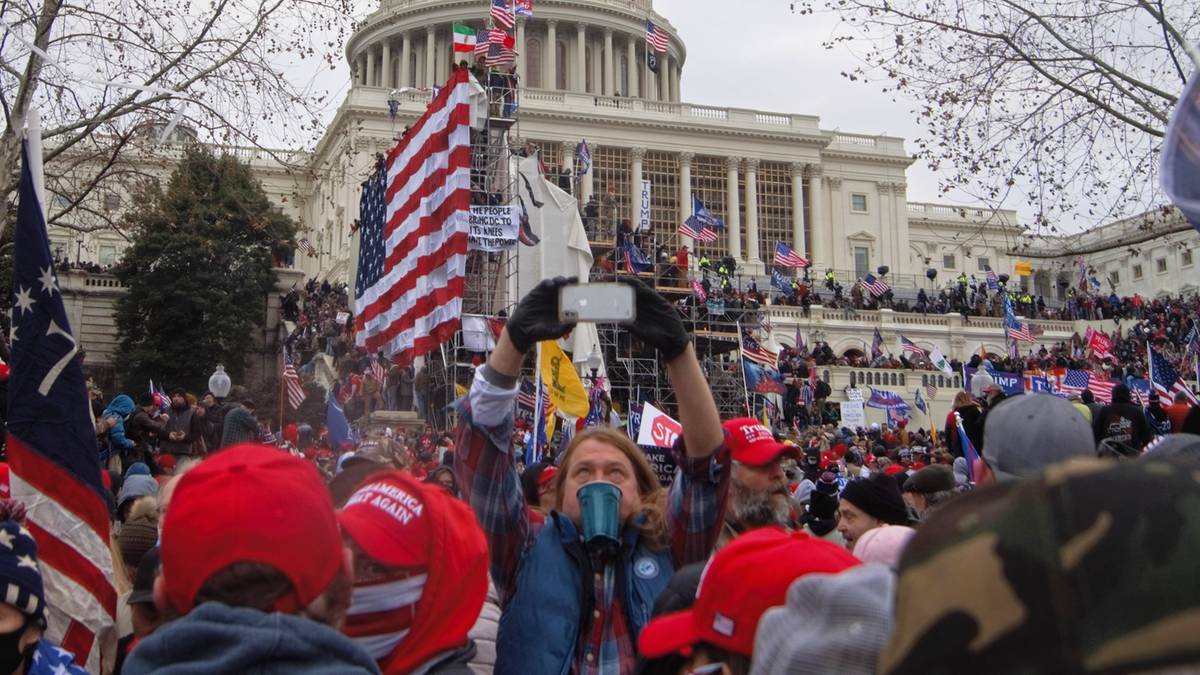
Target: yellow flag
561, 382
459, 390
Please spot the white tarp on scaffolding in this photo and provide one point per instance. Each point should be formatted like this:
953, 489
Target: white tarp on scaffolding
563, 249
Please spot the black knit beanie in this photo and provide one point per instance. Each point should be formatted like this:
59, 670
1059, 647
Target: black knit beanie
877, 496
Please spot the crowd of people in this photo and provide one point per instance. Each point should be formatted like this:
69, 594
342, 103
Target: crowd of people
970, 548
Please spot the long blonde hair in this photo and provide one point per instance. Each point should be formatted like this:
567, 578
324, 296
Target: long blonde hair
655, 534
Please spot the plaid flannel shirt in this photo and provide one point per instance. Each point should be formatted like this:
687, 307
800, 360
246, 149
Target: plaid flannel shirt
486, 471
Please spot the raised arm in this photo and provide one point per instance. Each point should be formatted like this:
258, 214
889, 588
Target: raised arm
483, 463
696, 500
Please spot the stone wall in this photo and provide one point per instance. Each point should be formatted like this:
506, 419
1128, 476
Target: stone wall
91, 300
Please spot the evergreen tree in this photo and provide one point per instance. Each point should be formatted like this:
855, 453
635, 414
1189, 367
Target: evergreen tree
198, 271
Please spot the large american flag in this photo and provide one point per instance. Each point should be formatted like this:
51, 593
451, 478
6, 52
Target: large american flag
1014, 329
295, 389
656, 37
875, 286
306, 246
786, 257
413, 251
1166, 379
52, 451
502, 14
754, 351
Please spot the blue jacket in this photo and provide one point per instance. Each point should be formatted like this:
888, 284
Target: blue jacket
120, 408
215, 638
539, 629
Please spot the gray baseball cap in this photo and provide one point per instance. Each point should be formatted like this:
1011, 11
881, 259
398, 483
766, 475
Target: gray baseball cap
1027, 433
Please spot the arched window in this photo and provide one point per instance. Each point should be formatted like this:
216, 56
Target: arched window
533, 63
560, 60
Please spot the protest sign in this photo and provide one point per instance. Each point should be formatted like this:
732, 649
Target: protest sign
493, 228
658, 430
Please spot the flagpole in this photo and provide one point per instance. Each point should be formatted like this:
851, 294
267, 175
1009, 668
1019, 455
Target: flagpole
742, 353
538, 415
282, 358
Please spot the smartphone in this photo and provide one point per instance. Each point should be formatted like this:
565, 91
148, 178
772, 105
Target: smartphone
597, 303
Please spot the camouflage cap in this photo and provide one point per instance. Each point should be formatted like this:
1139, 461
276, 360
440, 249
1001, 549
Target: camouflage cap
1090, 568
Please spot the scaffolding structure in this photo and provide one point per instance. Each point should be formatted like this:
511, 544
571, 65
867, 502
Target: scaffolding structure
635, 371
488, 274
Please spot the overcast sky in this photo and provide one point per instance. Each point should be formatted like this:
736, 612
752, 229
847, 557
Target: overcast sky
757, 54
764, 57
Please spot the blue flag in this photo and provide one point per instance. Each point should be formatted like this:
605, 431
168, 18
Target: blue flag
781, 282
705, 217
336, 425
762, 380
635, 260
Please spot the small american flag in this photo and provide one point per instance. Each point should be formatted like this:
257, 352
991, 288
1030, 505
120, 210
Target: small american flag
692, 228
993, 279
295, 389
907, 345
1166, 379
306, 246
786, 257
656, 37
875, 286
1018, 331
526, 396
1074, 382
377, 369
754, 351
482, 42
502, 14
501, 54
930, 391
583, 158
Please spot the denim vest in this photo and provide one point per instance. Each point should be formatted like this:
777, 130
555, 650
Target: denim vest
539, 628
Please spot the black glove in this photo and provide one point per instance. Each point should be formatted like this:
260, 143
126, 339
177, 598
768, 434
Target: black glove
535, 318
658, 324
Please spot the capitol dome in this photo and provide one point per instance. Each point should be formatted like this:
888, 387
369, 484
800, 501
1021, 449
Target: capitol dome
584, 46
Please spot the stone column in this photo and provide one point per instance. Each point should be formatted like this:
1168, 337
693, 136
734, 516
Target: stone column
798, 244
634, 71
900, 206
550, 57
664, 82
580, 58
733, 217
597, 44
820, 228
521, 51
685, 196
385, 67
370, 75
837, 222
430, 57
441, 72
675, 75
610, 61
406, 75
635, 194
586, 182
891, 238
752, 210
567, 152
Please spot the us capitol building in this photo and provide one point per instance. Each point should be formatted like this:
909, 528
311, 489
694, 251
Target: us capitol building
839, 199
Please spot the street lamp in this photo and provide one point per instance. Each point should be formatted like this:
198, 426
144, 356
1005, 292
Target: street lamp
219, 383
594, 361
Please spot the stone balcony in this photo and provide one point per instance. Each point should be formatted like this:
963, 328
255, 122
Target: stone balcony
537, 103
